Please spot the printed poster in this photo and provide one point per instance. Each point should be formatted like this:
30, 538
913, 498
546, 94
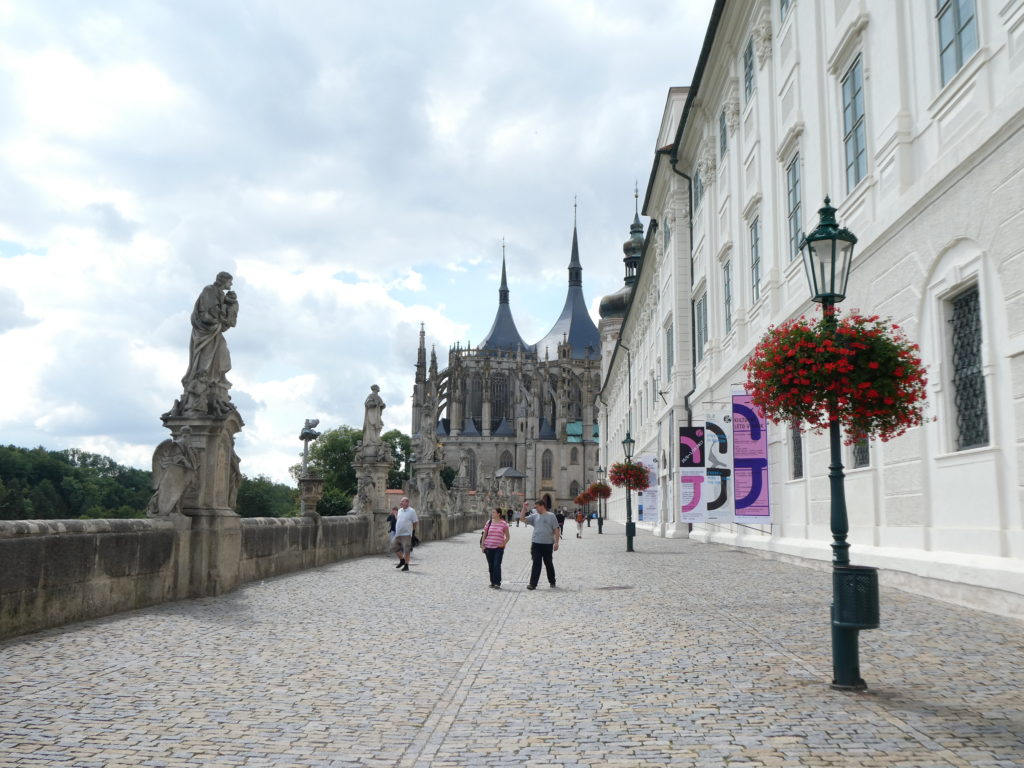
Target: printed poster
692, 460
750, 462
718, 483
647, 501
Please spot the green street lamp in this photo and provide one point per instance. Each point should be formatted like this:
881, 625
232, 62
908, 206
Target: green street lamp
627, 448
827, 255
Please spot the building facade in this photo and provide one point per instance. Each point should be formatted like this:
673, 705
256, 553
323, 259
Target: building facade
909, 116
517, 417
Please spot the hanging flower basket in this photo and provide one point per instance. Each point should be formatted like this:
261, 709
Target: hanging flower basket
862, 372
584, 498
600, 489
629, 475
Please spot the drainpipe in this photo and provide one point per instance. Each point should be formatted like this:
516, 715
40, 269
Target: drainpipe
693, 314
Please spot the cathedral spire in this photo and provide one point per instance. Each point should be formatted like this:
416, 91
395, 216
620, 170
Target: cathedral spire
575, 269
503, 334
503, 290
635, 245
574, 326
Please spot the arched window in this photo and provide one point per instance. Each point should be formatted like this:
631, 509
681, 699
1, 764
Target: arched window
471, 468
574, 457
545, 465
506, 459
574, 489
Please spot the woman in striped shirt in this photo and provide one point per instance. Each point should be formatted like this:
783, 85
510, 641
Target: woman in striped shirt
492, 543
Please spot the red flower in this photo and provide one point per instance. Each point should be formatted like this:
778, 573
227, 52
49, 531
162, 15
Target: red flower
629, 475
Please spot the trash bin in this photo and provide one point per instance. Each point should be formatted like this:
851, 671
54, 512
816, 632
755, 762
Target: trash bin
855, 588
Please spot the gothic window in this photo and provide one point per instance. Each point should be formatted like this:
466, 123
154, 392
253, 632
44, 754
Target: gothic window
796, 441
968, 382
793, 206
854, 128
545, 465
575, 400
471, 468
506, 459
501, 403
474, 397
958, 35
574, 489
574, 457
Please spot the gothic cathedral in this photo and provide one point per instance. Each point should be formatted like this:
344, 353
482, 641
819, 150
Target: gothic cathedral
513, 414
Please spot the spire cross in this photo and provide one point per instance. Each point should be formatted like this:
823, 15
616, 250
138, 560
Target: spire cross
574, 210
636, 196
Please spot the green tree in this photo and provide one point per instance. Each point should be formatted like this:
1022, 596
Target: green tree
261, 497
331, 458
401, 447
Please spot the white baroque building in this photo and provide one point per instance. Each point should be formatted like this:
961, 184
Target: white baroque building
909, 115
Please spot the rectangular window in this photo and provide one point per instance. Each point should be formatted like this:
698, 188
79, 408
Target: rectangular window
755, 260
968, 380
958, 35
723, 134
748, 71
784, 8
861, 454
796, 442
698, 190
701, 322
854, 130
793, 207
727, 294
670, 351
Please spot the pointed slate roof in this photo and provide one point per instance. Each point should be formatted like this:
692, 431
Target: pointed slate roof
574, 324
503, 334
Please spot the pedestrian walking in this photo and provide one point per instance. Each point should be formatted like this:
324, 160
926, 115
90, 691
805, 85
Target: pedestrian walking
560, 517
406, 521
546, 535
392, 518
492, 544
579, 523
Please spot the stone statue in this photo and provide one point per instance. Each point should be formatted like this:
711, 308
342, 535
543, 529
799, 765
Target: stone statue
205, 382
175, 469
365, 490
373, 421
308, 435
235, 477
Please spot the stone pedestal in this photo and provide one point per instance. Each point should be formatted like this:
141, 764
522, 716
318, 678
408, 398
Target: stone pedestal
215, 537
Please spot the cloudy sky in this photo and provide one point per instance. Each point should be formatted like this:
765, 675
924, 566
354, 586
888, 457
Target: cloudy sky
355, 165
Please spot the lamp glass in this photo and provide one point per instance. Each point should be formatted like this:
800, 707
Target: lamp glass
627, 446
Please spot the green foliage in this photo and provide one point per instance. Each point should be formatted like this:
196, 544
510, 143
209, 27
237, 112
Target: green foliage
401, 447
334, 502
331, 458
261, 497
36, 484
448, 476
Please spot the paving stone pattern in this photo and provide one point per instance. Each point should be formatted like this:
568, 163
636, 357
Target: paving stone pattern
680, 654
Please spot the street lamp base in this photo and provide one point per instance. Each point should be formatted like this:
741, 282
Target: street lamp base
860, 685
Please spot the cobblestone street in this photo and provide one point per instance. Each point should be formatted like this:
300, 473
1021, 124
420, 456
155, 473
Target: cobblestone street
678, 654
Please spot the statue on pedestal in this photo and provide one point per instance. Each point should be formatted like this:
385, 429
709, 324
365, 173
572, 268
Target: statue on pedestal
373, 421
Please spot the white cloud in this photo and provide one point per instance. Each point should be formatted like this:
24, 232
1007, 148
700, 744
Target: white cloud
355, 168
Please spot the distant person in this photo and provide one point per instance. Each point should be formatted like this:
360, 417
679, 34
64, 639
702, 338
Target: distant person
392, 519
492, 544
579, 523
405, 526
546, 535
560, 517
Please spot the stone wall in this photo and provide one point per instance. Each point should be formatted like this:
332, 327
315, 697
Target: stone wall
55, 572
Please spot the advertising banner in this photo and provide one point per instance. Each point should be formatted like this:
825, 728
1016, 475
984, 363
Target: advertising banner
718, 485
692, 460
647, 501
750, 462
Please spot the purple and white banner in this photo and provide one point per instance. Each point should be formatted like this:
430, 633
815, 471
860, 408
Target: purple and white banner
692, 474
750, 462
718, 445
647, 501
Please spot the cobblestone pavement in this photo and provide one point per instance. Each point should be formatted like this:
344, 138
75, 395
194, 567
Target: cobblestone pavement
680, 654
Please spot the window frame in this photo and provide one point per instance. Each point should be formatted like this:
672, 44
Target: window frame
854, 124
794, 206
951, 9
754, 230
748, 71
727, 291
698, 190
700, 315
723, 134
796, 452
975, 377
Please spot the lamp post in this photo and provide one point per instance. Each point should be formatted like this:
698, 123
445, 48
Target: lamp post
600, 502
627, 449
827, 254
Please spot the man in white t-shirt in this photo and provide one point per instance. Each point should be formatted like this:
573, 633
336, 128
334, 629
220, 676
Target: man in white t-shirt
405, 527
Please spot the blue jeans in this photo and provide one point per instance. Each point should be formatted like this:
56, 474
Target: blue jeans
494, 557
542, 553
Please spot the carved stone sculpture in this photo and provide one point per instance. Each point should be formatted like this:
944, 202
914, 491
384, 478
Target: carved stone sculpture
373, 421
174, 472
